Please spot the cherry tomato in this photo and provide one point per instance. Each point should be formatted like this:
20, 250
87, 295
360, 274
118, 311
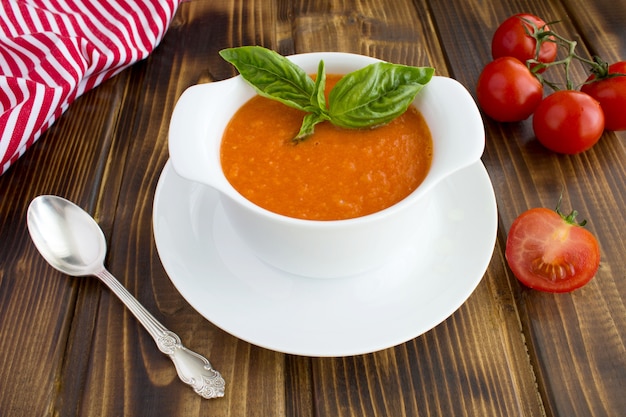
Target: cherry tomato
507, 91
511, 39
568, 121
550, 252
611, 93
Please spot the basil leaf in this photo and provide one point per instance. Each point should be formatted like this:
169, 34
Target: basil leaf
375, 94
368, 97
319, 98
273, 76
308, 126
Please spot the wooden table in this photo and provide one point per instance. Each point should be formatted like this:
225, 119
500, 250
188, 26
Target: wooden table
68, 347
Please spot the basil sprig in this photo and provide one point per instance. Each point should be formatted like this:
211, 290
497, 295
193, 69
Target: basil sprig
369, 97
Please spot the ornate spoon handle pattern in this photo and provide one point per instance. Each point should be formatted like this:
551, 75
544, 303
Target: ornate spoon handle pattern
192, 368
73, 243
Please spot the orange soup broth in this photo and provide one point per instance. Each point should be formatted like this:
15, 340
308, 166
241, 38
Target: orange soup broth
335, 173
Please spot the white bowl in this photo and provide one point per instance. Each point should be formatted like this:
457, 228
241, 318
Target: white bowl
322, 249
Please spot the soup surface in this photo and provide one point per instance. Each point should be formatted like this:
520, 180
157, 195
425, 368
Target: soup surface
335, 173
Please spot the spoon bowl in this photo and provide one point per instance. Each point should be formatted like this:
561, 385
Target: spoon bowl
71, 241
66, 236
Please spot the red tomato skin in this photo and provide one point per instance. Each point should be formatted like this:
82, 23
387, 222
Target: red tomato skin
611, 93
568, 122
548, 254
511, 39
507, 91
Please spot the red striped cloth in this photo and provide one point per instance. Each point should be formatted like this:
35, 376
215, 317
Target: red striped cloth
52, 51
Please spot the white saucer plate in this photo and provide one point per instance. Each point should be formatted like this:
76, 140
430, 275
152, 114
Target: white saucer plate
216, 273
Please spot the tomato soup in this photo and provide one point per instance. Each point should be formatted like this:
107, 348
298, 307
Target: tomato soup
333, 174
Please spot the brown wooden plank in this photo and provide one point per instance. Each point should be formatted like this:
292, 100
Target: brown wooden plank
70, 348
492, 375
36, 302
402, 34
526, 175
135, 378
600, 25
434, 380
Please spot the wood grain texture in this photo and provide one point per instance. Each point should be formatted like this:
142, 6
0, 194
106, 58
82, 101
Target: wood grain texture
567, 354
69, 348
592, 183
36, 302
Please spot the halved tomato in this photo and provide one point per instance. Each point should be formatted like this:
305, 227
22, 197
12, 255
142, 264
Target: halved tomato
549, 251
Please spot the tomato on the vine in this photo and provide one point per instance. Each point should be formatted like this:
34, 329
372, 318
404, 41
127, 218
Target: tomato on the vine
568, 122
507, 91
512, 38
549, 251
611, 93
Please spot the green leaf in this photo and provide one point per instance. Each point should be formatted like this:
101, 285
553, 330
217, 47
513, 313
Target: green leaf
368, 97
319, 98
273, 76
308, 126
375, 94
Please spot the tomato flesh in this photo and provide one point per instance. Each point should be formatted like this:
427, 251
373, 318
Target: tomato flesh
549, 254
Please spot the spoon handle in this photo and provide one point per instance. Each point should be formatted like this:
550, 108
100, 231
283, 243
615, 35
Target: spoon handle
192, 368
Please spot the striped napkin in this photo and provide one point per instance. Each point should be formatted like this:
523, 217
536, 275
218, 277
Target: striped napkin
52, 51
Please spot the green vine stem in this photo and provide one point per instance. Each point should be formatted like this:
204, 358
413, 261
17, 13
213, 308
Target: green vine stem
598, 67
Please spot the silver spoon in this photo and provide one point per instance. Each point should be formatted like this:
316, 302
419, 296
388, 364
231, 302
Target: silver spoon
72, 242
